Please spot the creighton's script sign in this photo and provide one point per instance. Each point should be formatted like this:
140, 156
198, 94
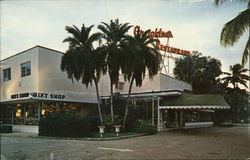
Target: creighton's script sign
159, 33
38, 95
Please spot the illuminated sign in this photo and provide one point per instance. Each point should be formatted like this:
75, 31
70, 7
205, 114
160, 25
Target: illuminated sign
157, 33
37, 95
161, 34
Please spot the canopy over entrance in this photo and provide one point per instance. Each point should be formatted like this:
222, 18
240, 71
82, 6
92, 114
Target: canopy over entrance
194, 101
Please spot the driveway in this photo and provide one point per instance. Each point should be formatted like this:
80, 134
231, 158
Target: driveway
25, 128
205, 143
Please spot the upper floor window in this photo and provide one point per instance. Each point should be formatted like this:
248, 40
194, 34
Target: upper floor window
6, 74
25, 69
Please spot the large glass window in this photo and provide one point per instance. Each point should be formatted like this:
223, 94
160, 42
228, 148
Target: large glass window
6, 74
25, 69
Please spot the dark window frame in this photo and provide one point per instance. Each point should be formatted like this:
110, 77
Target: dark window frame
6, 74
26, 69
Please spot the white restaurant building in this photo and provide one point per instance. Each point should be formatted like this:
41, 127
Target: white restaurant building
32, 85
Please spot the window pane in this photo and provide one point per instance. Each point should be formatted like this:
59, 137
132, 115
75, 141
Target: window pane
6, 74
25, 69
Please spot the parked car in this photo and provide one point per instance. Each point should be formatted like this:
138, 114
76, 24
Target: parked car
226, 123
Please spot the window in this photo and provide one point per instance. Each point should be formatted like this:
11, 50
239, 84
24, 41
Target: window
6, 74
25, 69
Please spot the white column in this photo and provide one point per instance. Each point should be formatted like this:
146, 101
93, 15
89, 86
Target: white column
39, 111
158, 114
153, 111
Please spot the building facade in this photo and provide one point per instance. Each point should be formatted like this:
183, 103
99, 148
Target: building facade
32, 85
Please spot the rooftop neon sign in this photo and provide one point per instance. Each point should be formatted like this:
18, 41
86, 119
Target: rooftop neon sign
161, 34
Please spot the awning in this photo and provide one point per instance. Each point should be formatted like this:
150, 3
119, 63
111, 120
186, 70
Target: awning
194, 101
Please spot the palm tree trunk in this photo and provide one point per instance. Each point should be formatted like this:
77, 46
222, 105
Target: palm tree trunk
98, 100
127, 104
111, 102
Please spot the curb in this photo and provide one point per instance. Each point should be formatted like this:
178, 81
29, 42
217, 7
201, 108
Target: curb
68, 138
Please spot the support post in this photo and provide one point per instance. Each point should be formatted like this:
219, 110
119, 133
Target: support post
158, 114
24, 116
12, 115
39, 111
176, 119
153, 111
181, 119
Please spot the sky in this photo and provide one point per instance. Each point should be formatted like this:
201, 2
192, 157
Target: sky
195, 24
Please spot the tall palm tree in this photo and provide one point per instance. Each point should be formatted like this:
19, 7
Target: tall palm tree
234, 29
237, 76
141, 57
81, 61
114, 34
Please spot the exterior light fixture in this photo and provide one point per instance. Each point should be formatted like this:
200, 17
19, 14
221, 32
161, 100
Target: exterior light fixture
43, 111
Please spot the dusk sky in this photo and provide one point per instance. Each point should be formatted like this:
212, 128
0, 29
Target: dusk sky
196, 25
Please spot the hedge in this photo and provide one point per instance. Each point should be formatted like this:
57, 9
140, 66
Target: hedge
145, 128
64, 125
6, 129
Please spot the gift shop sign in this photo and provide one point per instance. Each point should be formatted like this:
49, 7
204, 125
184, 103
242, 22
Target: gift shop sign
38, 95
159, 33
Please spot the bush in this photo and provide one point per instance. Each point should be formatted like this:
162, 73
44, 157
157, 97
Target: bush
63, 125
93, 122
145, 128
6, 129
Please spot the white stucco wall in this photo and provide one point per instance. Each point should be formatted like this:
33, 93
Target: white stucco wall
47, 77
19, 84
53, 80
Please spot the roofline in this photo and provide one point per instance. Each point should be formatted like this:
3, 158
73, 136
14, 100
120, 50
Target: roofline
154, 92
37, 46
176, 79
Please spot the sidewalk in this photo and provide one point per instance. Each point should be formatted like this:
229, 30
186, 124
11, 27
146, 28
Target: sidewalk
25, 128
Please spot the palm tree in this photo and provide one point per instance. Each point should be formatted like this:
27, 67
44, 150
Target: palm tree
114, 34
81, 61
237, 76
141, 57
234, 29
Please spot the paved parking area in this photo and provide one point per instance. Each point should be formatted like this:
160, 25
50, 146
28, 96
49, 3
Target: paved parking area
205, 143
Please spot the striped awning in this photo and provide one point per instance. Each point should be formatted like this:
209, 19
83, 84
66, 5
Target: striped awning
194, 101
195, 107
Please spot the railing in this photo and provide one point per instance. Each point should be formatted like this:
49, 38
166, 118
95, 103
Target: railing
198, 124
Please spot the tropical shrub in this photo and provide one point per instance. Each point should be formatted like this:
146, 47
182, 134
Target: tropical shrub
5, 129
64, 125
145, 128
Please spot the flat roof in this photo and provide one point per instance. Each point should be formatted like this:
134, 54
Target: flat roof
37, 46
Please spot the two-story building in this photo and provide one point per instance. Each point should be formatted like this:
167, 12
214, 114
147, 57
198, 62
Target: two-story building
32, 85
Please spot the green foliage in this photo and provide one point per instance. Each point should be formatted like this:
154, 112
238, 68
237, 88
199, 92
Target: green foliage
238, 100
93, 122
236, 97
145, 128
237, 76
108, 121
6, 129
82, 62
141, 56
200, 71
114, 34
60, 124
